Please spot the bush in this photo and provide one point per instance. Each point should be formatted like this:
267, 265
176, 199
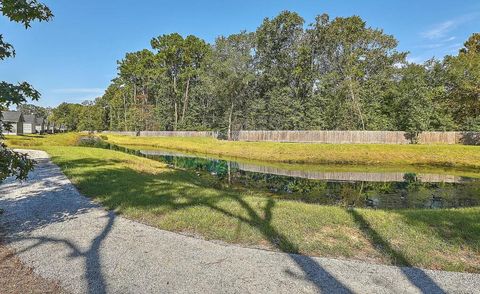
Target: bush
92, 141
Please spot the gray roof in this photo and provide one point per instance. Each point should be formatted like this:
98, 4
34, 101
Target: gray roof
12, 116
29, 118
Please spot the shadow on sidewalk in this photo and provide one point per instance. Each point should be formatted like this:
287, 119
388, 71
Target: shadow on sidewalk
51, 201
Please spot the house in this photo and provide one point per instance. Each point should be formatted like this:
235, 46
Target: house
14, 120
29, 124
40, 126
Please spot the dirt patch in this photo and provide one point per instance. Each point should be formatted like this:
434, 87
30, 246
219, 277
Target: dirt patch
17, 278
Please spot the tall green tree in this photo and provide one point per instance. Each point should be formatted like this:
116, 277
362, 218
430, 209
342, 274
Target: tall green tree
234, 74
24, 12
354, 66
413, 102
463, 84
67, 115
93, 115
135, 70
276, 57
181, 61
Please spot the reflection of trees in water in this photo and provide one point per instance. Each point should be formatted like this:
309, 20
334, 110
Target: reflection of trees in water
407, 194
411, 193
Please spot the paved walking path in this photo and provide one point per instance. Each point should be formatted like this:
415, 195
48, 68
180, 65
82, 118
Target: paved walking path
65, 237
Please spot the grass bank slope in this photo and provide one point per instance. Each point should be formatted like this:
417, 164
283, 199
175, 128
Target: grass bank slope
180, 201
457, 156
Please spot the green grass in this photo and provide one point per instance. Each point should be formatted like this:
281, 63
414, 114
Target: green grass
176, 200
453, 156
64, 139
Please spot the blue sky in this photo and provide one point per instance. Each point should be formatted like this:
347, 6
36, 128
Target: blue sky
73, 57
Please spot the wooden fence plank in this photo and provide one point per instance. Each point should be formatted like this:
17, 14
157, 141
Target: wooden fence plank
326, 137
358, 137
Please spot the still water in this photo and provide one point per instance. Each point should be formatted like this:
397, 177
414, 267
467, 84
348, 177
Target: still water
395, 189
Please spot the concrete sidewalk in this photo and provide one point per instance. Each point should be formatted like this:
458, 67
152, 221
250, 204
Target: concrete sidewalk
66, 237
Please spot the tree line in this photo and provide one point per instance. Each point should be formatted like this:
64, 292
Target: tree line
333, 74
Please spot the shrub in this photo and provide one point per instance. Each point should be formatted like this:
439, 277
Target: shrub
92, 141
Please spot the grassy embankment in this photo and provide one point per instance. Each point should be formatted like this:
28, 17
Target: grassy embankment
177, 200
457, 156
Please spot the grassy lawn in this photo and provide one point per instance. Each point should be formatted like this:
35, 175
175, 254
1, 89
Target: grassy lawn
177, 200
31, 141
458, 156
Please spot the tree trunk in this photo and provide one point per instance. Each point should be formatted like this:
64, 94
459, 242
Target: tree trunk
135, 93
185, 100
116, 123
125, 110
355, 102
230, 115
175, 117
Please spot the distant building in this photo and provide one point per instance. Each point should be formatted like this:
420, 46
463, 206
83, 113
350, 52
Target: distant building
14, 120
40, 126
29, 124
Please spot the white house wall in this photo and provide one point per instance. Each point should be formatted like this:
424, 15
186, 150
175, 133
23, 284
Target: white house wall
28, 128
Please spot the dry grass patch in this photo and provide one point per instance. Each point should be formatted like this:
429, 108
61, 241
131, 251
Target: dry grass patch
16, 277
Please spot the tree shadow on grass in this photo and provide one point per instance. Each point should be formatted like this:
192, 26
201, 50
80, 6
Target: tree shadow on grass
415, 275
177, 190
313, 271
462, 226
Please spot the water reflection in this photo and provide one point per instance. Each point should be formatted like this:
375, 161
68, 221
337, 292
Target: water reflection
389, 190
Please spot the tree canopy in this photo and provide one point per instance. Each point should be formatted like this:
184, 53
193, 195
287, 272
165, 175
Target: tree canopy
333, 74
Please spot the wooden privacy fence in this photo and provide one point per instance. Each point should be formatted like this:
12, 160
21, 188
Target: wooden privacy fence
125, 133
178, 134
327, 137
358, 137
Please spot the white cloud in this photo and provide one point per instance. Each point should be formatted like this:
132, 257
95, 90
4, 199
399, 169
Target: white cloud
79, 91
432, 46
440, 30
439, 36
449, 39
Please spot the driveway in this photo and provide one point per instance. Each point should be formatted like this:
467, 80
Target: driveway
66, 237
